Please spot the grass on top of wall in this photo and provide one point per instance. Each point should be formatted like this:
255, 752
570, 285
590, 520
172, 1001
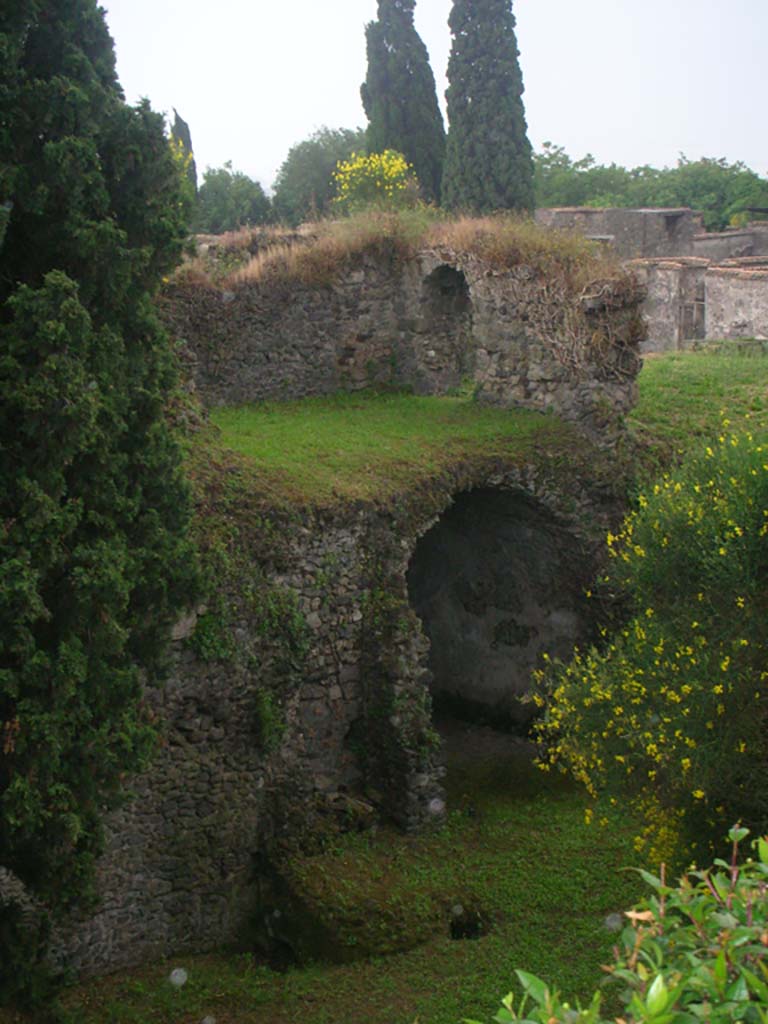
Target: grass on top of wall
317, 257
373, 446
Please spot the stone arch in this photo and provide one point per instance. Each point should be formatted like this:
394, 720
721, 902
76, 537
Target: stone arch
445, 292
497, 582
443, 335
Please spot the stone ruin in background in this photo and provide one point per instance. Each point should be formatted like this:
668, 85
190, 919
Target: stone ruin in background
700, 285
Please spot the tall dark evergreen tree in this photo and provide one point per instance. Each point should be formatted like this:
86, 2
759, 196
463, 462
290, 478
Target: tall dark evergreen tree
399, 95
182, 136
489, 163
94, 562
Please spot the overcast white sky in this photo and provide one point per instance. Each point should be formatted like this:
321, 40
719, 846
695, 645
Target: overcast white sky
631, 81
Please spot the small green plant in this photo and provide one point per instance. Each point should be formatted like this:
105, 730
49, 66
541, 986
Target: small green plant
689, 953
212, 639
270, 720
671, 708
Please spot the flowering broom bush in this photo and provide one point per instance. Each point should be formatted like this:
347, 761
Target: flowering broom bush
671, 710
690, 953
382, 180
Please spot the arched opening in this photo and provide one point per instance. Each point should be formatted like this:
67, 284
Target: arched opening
443, 331
446, 293
497, 582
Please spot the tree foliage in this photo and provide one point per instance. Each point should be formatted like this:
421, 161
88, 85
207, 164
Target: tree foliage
399, 95
722, 192
304, 186
228, 200
94, 561
182, 136
488, 163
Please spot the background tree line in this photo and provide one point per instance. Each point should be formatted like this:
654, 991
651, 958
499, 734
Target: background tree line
484, 162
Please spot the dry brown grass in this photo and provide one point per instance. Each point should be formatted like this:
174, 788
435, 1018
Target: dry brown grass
332, 245
507, 241
317, 256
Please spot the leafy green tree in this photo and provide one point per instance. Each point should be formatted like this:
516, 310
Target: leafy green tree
94, 561
182, 136
399, 95
722, 192
304, 186
488, 163
229, 199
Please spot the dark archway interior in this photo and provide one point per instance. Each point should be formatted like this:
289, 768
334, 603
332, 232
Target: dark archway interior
446, 293
497, 582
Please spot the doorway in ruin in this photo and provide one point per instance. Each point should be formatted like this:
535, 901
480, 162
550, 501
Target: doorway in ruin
497, 582
444, 347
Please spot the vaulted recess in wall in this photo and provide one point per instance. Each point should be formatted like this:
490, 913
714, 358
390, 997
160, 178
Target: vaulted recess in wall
496, 582
446, 292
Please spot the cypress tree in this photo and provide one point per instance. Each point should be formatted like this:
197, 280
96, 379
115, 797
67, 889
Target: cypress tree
182, 136
399, 95
94, 561
489, 163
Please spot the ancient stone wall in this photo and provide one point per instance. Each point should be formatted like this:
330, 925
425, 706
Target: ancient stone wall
285, 340
734, 243
675, 301
312, 705
722, 245
737, 300
691, 299
630, 233
428, 324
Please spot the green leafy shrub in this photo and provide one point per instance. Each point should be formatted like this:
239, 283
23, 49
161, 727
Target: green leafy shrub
689, 953
672, 708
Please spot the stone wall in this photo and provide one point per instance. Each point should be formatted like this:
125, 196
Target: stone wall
675, 301
737, 300
269, 742
630, 233
722, 245
733, 243
691, 299
427, 323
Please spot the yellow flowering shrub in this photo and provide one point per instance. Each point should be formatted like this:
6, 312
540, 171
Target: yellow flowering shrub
383, 180
670, 709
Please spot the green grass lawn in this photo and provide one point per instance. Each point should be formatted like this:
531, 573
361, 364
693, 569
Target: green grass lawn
372, 445
684, 397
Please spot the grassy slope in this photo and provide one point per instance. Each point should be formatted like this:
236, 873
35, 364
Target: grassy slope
684, 397
524, 850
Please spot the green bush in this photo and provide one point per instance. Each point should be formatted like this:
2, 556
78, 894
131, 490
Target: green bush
671, 709
689, 953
